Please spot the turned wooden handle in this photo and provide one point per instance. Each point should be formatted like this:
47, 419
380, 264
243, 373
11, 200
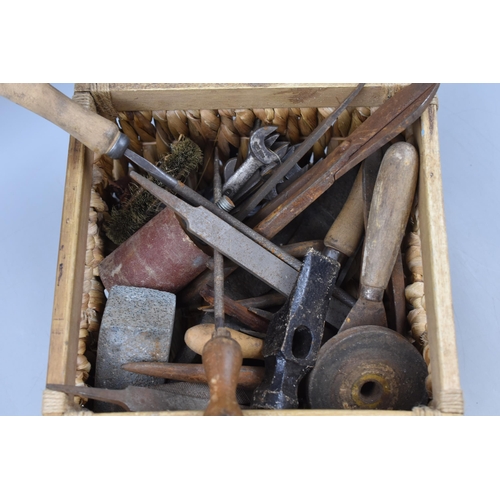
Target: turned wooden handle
222, 360
345, 233
389, 211
197, 336
97, 133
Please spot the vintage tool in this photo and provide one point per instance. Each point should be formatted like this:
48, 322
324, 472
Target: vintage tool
366, 365
137, 325
396, 304
197, 336
295, 332
258, 155
133, 398
304, 147
227, 240
386, 122
256, 179
103, 137
390, 208
175, 396
221, 356
248, 376
141, 260
230, 242
236, 310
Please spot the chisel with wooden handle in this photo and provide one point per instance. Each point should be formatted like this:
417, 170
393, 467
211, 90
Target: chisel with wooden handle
221, 357
104, 137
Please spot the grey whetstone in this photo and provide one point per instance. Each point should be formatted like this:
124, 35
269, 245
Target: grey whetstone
136, 326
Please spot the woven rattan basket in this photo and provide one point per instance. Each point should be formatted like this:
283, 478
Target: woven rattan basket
153, 115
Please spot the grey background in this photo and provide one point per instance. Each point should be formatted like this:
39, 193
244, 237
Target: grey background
33, 157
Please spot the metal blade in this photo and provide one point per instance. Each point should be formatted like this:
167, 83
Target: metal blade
227, 240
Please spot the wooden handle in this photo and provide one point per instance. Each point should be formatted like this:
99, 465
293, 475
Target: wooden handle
222, 360
345, 233
197, 336
389, 211
96, 132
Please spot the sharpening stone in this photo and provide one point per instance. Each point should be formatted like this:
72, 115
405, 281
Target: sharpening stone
137, 325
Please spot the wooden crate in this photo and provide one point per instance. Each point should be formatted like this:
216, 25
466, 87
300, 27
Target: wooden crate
80, 197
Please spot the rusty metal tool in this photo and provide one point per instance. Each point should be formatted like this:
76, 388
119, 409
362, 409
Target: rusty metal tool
236, 310
295, 333
175, 396
385, 123
221, 357
134, 398
305, 146
248, 376
294, 337
104, 137
367, 365
227, 240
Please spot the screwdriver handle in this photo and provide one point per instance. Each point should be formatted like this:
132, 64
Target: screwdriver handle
389, 211
222, 360
346, 231
96, 132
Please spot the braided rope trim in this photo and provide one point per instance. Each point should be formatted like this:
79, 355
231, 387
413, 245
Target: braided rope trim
102, 98
54, 402
415, 296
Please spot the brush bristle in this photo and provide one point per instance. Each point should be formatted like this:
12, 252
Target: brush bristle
124, 221
185, 158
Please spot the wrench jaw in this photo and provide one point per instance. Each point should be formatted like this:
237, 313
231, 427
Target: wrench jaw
259, 155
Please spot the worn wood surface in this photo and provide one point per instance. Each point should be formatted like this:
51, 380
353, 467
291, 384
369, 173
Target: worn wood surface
68, 290
172, 96
70, 266
88, 127
447, 394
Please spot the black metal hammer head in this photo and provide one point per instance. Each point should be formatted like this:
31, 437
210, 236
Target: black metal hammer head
295, 333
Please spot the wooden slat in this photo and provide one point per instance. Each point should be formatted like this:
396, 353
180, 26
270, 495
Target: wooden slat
70, 266
447, 395
418, 411
172, 96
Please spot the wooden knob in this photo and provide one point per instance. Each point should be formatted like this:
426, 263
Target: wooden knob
197, 336
97, 133
222, 360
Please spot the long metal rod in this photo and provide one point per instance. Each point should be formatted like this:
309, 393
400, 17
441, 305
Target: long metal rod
304, 147
196, 199
218, 257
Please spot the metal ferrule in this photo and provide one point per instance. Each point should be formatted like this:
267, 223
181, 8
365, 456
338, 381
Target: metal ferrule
225, 204
241, 176
334, 254
371, 293
118, 148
